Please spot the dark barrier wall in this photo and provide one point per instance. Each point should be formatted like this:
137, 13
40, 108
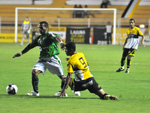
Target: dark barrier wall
99, 36
80, 36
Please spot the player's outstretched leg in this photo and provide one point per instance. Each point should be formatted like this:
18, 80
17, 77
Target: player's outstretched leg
110, 97
101, 93
35, 82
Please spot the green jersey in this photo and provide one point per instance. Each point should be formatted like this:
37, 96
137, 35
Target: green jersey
48, 45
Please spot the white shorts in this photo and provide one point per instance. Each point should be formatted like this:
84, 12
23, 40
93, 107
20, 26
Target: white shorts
53, 64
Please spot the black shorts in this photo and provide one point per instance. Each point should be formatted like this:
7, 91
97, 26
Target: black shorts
89, 84
129, 52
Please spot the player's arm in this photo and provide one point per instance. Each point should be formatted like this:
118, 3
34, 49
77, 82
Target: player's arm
143, 38
68, 79
27, 48
62, 45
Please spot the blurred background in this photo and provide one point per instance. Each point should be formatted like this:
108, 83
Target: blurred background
91, 21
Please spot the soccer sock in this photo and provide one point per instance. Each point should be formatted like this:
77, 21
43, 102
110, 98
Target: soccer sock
128, 63
63, 82
122, 61
104, 96
35, 82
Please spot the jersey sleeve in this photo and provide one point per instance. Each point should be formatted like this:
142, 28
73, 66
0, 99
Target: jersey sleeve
139, 31
69, 67
30, 46
54, 36
57, 35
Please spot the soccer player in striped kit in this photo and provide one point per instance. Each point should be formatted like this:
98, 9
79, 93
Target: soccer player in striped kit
131, 45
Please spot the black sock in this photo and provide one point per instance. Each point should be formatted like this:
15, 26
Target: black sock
35, 82
128, 63
103, 96
63, 82
122, 61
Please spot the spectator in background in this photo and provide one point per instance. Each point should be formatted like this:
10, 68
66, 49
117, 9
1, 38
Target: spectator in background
26, 28
33, 2
86, 12
75, 12
109, 32
105, 3
80, 12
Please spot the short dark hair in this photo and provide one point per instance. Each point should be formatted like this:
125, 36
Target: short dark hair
45, 24
70, 45
132, 19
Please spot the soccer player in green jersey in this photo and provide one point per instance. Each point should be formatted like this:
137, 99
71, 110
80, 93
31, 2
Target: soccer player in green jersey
48, 56
131, 45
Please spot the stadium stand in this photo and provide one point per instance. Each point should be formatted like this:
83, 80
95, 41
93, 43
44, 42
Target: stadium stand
26, 2
7, 12
113, 2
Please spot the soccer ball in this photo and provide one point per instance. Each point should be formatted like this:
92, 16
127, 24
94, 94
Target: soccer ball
11, 89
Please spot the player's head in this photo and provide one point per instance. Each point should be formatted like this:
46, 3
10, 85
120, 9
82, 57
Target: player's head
70, 48
43, 27
132, 22
27, 18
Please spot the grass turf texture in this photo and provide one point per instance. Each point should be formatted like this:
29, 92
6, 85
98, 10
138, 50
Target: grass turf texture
132, 89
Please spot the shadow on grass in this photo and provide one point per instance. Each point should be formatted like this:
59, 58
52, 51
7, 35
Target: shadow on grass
43, 96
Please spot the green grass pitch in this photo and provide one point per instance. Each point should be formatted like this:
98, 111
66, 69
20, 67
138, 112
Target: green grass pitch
133, 89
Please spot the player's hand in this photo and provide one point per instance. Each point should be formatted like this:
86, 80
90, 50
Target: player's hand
143, 43
62, 45
63, 93
17, 55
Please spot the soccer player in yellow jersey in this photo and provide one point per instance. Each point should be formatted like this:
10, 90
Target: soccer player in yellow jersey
26, 29
78, 65
131, 44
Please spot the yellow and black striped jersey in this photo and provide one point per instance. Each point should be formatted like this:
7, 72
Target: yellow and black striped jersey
78, 65
133, 38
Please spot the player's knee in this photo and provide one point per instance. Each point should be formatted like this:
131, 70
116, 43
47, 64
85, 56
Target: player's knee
35, 72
